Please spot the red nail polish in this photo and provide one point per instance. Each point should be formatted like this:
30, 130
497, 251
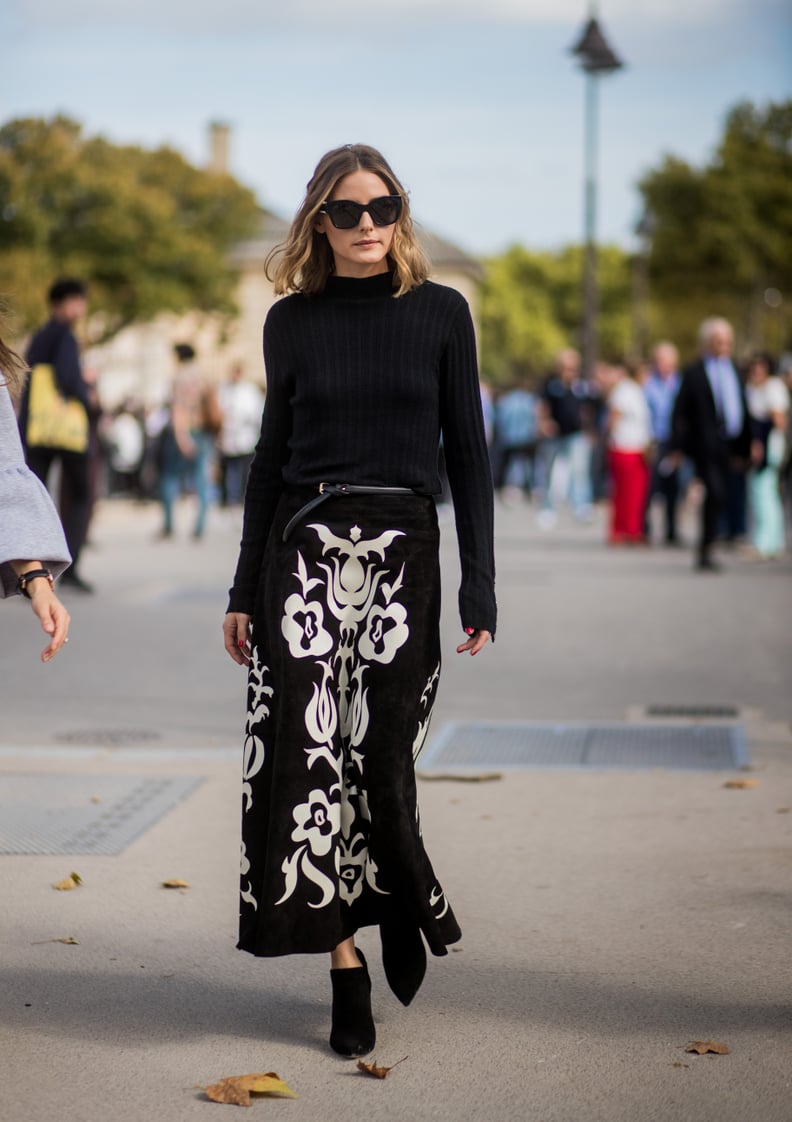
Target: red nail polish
241, 644
469, 631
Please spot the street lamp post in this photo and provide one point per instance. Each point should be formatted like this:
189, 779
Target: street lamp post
644, 232
596, 58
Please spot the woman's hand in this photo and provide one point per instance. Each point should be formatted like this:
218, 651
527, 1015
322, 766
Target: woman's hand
54, 618
475, 642
236, 637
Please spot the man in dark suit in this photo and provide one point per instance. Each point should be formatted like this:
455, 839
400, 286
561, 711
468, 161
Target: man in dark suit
711, 425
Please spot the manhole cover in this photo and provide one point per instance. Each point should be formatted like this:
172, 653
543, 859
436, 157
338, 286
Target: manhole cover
83, 814
107, 738
525, 745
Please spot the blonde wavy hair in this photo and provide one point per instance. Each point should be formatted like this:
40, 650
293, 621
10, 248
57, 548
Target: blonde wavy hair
13, 369
304, 261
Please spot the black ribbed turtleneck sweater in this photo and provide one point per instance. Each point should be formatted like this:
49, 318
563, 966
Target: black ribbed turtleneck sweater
360, 386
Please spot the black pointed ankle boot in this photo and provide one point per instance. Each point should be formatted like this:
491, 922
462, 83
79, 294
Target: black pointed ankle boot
404, 959
353, 1032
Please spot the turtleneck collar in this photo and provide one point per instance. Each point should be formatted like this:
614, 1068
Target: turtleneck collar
359, 288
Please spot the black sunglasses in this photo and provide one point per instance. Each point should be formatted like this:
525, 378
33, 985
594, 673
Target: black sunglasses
345, 215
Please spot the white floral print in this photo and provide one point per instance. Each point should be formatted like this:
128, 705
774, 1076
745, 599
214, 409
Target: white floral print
318, 821
302, 628
386, 631
373, 628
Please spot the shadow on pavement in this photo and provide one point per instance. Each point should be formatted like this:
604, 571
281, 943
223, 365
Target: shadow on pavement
134, 1007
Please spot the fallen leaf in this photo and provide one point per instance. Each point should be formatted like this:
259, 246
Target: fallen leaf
96, 798
702, 1046
783, 810
237, 1089
481, 777
175, 883
69, 940
378, 1072
68, 883
678, 1063
741, 784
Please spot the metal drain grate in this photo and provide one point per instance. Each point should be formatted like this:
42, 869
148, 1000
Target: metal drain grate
83, 814
709, 712
107, 738
525, 745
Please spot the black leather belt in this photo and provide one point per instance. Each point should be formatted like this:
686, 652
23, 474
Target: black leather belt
327, 490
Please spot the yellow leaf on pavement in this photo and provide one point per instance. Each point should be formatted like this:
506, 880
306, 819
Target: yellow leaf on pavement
237, 1089
68, 883
69, 940
175, 883
702, 1046
741, 784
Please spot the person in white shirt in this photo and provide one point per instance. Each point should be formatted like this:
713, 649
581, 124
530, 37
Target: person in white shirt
768, 405
629, 436
242, 404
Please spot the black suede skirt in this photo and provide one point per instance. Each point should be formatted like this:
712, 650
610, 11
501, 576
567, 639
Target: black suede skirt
344, 672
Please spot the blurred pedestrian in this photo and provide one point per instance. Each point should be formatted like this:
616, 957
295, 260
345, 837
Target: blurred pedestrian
241, 405
629, 435
33, 550
96, 458
487, 411
367, 362
661, 388
785, 471
710, 424
54, 348
516, 432
768, 404
187, 442
125, 437
565, 455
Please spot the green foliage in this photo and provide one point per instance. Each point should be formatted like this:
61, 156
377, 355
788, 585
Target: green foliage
723, 233
531, 307
148, 231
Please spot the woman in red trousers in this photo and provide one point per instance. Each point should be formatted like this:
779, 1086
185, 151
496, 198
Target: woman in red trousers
629, 435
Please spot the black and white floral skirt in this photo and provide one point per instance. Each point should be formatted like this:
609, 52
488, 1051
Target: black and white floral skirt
345, 668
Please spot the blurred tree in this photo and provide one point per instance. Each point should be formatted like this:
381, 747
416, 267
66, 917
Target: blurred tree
531, 307
723, 233
147, 230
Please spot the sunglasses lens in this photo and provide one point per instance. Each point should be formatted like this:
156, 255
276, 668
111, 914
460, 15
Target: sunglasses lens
386, 210
344, 215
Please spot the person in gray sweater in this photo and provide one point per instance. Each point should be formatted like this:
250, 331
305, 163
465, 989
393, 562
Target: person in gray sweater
33, 551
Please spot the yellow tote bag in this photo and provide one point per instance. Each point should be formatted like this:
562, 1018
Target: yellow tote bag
53, 420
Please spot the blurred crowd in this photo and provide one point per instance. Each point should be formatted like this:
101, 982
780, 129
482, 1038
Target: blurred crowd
649, 437
199, 442
640, 439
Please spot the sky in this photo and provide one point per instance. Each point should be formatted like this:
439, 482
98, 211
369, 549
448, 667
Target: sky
477, 104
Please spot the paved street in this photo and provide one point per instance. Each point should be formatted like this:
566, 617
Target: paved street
609, 917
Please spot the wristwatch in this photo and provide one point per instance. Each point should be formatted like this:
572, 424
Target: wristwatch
33, 574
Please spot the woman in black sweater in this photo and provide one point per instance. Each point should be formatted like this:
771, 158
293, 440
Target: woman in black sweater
336, 598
